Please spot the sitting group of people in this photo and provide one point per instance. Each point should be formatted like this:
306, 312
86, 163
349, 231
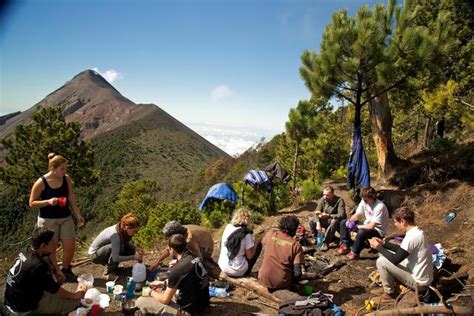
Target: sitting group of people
33, 284
409, 262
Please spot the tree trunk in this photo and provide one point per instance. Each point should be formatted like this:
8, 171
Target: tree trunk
381, 118
427, 136
295, 163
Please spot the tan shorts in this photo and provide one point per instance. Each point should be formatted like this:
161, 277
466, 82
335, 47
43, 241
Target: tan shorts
63, 227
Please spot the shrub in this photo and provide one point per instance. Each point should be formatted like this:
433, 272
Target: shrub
310, 190
160, 215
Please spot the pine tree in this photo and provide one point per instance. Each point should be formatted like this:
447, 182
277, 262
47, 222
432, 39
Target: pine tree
363, 58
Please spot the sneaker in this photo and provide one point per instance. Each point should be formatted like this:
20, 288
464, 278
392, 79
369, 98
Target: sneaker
324, 247
352, 255
342, 249
70, 276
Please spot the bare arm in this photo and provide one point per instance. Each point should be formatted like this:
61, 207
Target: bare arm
35, 196
369, 226
72, 201
70, 295
157, 262
163, 297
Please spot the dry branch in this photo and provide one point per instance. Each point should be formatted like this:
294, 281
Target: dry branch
250, 284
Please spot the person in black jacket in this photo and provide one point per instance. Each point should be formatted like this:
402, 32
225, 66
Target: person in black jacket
30, 286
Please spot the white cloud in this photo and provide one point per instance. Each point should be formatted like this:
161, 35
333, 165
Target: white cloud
110, 75
221, 92
234, 140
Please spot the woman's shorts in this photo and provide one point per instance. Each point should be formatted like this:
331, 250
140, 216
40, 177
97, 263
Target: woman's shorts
63, 227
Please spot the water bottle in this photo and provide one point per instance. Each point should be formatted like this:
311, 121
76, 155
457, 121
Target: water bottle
130, 289
319, 240
449, 217
217, 292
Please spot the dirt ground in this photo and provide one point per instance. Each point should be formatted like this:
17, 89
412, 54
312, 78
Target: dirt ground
350, 284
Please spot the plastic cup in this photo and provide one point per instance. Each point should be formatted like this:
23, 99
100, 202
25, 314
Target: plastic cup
117, 291
62, 201
308, 290
110, 286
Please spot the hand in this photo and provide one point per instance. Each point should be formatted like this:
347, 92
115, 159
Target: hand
138, 256
53, 201
82, 287
324, 215
80, 294
80, 219
375, 242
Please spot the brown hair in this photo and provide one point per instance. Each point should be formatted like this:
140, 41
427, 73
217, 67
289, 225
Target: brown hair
129, 220
369, 193
328, 188
55, 161
404, 213
178, 243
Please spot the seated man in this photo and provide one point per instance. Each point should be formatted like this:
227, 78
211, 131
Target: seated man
31, 287
374, 225
329, 213
410, 262
199, 243
188, 276
283, 256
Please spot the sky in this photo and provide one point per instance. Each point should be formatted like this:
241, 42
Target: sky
229, 69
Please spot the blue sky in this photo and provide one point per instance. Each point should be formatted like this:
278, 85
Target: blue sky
226, 63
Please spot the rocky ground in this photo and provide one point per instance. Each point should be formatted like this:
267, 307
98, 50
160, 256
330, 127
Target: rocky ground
349, 283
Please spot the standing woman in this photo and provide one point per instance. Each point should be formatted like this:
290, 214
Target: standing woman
52, 193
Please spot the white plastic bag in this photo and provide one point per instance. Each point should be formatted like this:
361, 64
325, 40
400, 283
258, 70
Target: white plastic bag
139, 272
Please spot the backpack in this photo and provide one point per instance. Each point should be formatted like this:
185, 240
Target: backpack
317, 304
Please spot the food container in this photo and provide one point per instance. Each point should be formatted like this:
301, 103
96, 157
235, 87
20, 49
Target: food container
87, 280
129, 307
117, 292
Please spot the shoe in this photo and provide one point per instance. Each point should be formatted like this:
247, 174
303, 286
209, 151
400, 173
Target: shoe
342, 249
377, 291
352, 256
70, 276
110, 273
324, 247
385, 299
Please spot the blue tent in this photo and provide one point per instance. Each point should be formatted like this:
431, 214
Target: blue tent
220, 191
359, 173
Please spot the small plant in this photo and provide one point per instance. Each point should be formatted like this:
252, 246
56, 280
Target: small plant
310, 190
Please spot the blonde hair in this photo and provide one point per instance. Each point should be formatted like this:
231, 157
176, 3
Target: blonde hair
242, 217
55, 161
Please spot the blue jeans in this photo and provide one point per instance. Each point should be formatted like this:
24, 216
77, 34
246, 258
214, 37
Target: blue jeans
362, 236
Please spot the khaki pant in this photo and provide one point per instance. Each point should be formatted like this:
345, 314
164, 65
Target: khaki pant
152, 306
388, 271
63, 228
53, 304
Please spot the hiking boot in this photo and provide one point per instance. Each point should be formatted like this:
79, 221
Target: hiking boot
342, 249
324, 247
70, 276
377, 291
352, 255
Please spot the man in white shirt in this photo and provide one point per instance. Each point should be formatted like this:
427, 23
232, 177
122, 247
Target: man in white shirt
375, 223
410, 262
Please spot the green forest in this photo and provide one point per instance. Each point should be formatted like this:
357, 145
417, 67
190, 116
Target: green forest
403, 72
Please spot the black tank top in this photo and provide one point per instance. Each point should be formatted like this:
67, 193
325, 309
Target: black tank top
54, 211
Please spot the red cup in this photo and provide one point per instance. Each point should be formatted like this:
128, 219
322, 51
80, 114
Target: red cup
62, 201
